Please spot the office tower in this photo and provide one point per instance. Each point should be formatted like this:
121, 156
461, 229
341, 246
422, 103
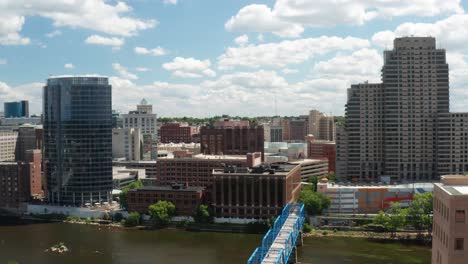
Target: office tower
16, 109
117, 121
29, 137
314, 122
449, 231
327, 129
276, 134
320, 126
78, 139
144, 119
127, 143
394, 128
8, 142
298, 129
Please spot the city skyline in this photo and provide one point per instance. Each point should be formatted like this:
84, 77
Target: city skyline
188, 60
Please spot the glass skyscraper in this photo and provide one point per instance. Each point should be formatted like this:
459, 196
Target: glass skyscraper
16, 109
78, 140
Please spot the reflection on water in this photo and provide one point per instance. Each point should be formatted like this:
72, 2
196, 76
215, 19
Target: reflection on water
90, 244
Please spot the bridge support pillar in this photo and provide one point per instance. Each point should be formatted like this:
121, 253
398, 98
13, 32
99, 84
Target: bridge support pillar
293, 257
299, 240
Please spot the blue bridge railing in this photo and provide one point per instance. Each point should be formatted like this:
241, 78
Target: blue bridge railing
283, 254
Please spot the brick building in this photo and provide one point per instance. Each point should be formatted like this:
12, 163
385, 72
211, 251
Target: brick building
29, 137
177, 133
298, 129
20, 181
185, 199
195, 170
318, 149
236, 140
260, 192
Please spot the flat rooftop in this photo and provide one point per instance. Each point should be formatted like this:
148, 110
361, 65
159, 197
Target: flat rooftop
305, 161
283, 169
236, 157
417, 185
208, 157
454, 189
170, 188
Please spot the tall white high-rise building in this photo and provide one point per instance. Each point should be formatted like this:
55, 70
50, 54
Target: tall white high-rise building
127, 143
402, 127
146, 121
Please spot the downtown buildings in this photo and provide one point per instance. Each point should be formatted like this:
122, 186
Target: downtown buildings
78, 139
402, 128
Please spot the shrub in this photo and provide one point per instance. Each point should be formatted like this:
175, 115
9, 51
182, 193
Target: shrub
306, 228
133, 219
118, 217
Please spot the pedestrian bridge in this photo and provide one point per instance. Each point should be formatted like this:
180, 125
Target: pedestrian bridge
279, 243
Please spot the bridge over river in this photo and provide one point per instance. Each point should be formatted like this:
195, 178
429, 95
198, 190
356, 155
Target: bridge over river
279, 243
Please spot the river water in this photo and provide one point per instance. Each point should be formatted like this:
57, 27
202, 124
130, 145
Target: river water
92, 244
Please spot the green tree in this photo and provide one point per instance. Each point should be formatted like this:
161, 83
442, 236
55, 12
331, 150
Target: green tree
313, 185
203, 214
419, 212
124, 193
133, 219
380, 219
162, 212
314, 202
396, 218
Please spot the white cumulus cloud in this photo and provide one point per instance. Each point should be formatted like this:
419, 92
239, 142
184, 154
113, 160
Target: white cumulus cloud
242, 40
170, 2
114, 42
123, 72
289, 18
286, 52
69, 66
54, 34
158, 51
96, 15
189, 68
450, 32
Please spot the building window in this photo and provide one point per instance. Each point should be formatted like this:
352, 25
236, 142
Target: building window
459, 244
460, 216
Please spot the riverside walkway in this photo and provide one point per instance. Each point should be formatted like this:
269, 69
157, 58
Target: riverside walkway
279, 243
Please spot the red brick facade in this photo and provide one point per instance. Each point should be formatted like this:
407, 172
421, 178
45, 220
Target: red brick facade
191, 171
231, 140
255, 194
185, 199
20, 181
323, 150
176, 133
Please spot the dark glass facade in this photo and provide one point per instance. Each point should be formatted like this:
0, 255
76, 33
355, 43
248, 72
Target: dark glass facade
16, 109
78, 140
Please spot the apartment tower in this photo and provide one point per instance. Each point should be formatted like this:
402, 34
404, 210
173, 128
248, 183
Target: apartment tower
391, 127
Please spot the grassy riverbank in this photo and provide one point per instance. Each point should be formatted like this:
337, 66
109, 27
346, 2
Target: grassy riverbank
404, 237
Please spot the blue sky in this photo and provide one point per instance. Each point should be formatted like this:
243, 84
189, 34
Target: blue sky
211, 57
